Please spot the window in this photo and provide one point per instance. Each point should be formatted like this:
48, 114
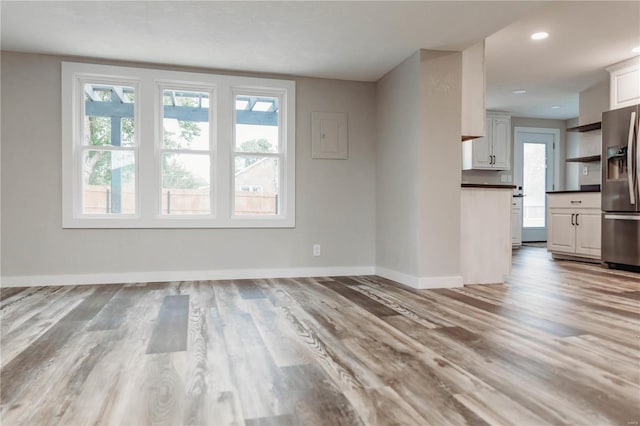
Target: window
146, 148
185, 154
107, 148
257, 154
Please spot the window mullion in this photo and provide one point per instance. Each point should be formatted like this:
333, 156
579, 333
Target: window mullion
148, 171
224, 158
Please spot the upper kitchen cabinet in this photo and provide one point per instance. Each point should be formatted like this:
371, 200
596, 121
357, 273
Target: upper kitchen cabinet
473, 92
492, 152
625, 83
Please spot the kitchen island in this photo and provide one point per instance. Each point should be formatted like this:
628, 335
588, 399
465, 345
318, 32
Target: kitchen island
485, 232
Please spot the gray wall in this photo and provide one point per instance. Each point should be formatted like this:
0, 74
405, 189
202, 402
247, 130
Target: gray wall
545, 124
439, 163
335, 199
418, 173
495, 177
572, 170
398, 136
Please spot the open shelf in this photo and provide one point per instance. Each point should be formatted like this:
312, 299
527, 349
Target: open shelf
586, 127
588, 159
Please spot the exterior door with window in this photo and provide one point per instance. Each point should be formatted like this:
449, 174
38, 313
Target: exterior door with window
536, 176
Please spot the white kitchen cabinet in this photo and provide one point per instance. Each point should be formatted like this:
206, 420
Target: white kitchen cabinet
561, 236
492, 152
516, 222
473, 92
485, 233
625, 83
588, 232
574, 225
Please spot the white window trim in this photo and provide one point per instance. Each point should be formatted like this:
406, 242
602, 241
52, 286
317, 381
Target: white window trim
149, 135
281, 155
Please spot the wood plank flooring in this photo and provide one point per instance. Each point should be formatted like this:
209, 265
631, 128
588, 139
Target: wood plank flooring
559, 343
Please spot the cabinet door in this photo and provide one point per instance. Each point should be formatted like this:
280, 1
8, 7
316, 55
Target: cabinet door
516, 225
588, 236
501, 148
561, 236
625, 86
482, 149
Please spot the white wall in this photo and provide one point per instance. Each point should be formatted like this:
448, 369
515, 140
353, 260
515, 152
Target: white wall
418, 173
335, 199
592, 103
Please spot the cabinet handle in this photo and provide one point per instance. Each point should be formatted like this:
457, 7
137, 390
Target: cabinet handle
576, 202
577, 214
572, 222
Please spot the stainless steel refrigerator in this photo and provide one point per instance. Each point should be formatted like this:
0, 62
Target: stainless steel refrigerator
621, 187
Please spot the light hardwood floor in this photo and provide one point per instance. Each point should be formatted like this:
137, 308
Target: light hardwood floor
558, 344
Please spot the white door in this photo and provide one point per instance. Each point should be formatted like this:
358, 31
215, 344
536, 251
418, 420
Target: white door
534, 172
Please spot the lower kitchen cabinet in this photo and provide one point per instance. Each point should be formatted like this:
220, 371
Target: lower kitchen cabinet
588, 233
574, 225
516, 222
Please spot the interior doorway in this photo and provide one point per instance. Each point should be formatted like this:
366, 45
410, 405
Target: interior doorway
536, 171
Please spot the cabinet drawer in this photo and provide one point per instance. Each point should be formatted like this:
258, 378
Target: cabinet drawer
590, 200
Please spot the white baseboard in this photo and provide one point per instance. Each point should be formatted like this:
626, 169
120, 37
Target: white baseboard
420, 283
163, 276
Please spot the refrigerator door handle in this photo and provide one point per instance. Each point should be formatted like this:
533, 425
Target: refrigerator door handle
630, 169
637, 143
622, 217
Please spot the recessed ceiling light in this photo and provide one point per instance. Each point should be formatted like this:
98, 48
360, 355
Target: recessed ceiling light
555, 107
636, 49
519, 92
539, 36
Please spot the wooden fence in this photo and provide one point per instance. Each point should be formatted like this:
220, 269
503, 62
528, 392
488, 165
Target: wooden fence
98, 200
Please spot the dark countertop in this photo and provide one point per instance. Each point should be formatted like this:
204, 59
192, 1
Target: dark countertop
573, 192
484, 185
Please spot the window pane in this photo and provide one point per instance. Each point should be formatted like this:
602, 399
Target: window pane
257, 186
186, 120
256, 129
534, 181
109, 115
109, 182
185, 184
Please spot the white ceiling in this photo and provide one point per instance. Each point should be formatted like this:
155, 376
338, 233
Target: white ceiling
344, 40
584, 38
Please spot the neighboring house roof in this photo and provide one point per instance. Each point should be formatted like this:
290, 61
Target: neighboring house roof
251, 166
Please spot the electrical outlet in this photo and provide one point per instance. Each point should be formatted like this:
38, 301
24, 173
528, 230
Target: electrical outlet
585, 170
503, 178
509, 178
316, 250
